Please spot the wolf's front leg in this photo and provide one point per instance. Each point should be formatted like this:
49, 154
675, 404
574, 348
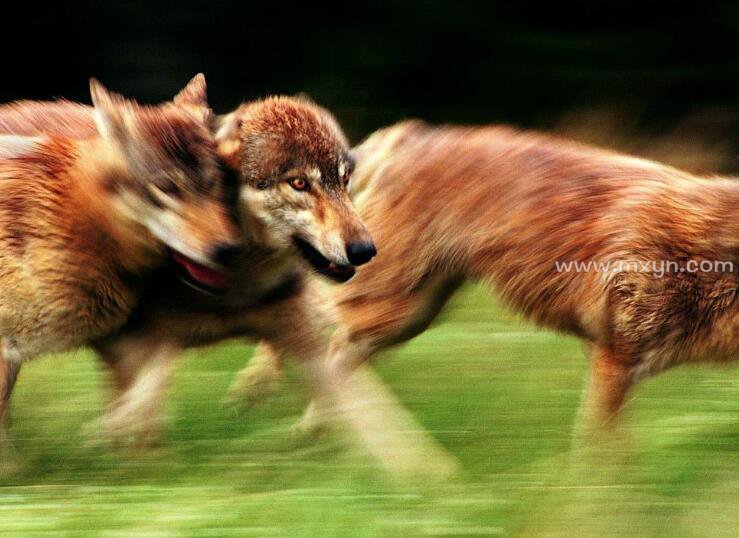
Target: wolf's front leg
258, 380
142, 371
344, 357
377, 423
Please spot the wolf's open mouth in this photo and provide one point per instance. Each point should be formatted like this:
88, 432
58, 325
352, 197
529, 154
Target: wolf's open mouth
329, 269
199, 276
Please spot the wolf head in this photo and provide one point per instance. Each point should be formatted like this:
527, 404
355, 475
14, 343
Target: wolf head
172, 182
294, 166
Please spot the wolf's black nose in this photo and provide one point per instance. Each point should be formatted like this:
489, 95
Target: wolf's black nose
360, 252
226, 254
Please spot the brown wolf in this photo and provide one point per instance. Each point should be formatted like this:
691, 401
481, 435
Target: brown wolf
293, 164
448, 204
82, 222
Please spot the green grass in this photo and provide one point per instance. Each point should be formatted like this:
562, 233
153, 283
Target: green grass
498, 394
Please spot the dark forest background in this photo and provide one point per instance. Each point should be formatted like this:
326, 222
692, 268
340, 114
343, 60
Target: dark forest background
375, 63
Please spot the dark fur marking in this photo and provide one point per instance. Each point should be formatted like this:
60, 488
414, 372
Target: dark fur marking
289, 287
17, 228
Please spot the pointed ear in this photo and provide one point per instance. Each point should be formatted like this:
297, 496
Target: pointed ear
228, 138
109, 112
194, 94
194, 97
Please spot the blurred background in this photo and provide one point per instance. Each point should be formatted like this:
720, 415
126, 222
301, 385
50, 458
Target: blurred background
652, 78
526, 63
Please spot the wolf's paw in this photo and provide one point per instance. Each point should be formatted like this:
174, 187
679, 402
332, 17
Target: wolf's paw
307, 430
94, 434
110, 432
312, 424
252, 385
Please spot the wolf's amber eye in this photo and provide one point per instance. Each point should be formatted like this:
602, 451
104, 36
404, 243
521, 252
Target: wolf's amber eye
299, 184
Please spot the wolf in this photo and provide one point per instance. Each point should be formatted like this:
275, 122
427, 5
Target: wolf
510, 208
83, 222
293, 165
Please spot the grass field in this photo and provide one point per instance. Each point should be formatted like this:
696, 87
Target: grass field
498, 394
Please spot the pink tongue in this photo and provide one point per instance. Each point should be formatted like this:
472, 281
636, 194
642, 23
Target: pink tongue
204, 275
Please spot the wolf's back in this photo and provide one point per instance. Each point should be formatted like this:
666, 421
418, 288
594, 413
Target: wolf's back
63, 118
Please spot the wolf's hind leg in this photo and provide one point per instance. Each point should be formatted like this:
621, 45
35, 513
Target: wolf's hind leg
258, 380
8, 374
9, 370
610, 381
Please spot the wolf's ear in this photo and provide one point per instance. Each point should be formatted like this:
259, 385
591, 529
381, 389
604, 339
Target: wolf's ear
195, 93
194, 98
228, 137
110, 112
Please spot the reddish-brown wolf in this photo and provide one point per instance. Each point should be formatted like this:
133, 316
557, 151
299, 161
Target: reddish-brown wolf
84, 221
517, 210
